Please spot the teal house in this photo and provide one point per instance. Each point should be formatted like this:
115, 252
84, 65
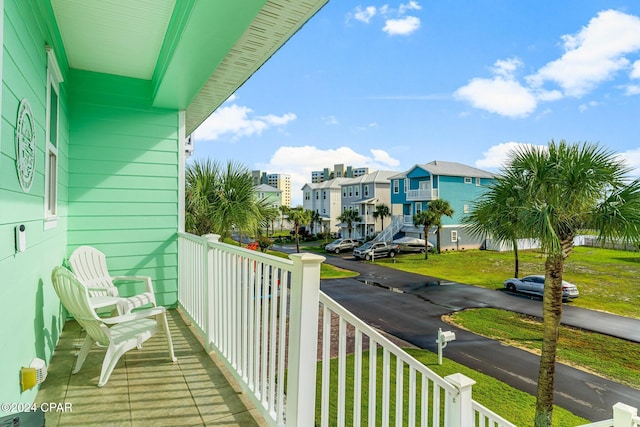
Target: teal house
97, 100
458, 184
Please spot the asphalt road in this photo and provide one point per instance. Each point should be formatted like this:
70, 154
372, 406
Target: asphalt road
410, 307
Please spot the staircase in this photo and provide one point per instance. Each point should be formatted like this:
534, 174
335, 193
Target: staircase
391, 230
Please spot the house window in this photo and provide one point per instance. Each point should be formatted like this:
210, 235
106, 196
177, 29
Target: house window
406, 185
478, 181
307, 195
357, 191
52, 124
468, 180
366, 191
454, 236
350, 191
418, 207
344, 191
396, 186
324, 195
317, 195
465, 209
324, 211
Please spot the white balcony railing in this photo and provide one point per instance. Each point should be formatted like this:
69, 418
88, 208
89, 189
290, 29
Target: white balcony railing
422, 194
262, 314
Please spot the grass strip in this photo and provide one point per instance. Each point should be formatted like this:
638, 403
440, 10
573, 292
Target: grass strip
607, 279
609, 357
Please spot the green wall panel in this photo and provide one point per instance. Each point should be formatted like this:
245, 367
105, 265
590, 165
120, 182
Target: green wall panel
123, 185
31, 319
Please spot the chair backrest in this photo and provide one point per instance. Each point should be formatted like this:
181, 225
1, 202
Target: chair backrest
75, 298
90, 267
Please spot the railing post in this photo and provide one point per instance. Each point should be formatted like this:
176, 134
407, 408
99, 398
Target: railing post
303, 339
209, 278
623, 415
460, 406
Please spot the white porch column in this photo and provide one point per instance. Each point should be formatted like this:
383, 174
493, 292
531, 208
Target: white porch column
460, 408
624, 415
303, 339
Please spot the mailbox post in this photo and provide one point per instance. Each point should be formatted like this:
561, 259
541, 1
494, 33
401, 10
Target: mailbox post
443, 338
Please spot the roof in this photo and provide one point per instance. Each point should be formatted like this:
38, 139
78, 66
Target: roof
439, 167
381, 177
195, 53
267, 188
334, 183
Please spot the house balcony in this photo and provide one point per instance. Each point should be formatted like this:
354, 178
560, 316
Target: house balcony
422, 194
251, 334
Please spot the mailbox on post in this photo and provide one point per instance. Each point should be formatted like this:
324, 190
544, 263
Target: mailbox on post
443, 338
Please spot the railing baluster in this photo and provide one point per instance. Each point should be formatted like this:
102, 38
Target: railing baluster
385, 386
342, 368
357, 380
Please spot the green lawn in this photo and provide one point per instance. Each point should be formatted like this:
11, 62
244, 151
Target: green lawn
610, 357
510, 403
607, 279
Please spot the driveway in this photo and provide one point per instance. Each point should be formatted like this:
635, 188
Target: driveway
410, 307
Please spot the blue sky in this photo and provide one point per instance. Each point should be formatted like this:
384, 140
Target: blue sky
391, 84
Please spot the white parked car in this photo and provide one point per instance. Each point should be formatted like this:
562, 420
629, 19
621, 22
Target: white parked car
534, 285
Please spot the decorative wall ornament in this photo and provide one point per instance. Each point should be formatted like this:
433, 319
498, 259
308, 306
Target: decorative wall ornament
25, 146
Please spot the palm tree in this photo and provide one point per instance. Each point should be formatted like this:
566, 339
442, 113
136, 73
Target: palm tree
440, 207
426, 219
562, 189
314, 219
381, 212
298, 216
220, 198
349, 217
495, 214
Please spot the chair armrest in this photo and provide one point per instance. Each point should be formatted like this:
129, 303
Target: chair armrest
145, 279
136, 315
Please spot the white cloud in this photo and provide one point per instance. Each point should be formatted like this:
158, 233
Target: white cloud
632, 90
498, 95
635, 70
506, 67
594, 54
299, 162
631, 159
591, 56
396, 23
364, 15
587, 105
381, 156
402, 27
330, 120
236, 121
412, 5
497, 155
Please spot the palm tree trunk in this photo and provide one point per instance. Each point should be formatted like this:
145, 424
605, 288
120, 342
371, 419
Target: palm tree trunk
297, 240
516, 259
438, 239
551, 315
426, 243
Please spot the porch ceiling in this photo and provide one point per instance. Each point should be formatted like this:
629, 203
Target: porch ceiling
195, 52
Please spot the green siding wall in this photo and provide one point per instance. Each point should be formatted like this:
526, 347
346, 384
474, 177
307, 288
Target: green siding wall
123, 181
31, 317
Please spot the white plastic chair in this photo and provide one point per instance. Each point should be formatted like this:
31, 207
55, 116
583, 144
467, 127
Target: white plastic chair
90, 267
127, 331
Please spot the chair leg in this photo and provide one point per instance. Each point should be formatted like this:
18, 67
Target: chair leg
84, 351
110, 360
167, 334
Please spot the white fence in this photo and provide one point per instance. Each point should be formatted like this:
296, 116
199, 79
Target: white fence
260, 313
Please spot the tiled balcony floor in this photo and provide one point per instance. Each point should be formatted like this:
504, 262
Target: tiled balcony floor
145, 388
